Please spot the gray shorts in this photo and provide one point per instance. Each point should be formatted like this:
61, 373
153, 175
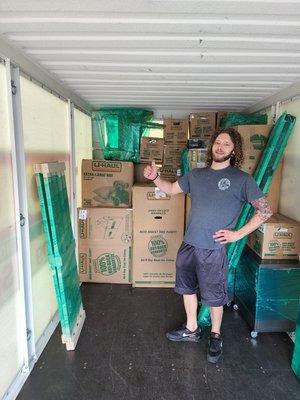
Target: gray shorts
202, 270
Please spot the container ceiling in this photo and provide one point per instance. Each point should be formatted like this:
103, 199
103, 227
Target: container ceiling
183, 55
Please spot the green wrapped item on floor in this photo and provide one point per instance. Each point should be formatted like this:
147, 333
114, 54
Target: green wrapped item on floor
53, 199
296, 353
267, 292
233, 119
118, 132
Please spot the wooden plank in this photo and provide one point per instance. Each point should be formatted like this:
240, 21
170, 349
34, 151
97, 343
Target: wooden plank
51, 168
71, 342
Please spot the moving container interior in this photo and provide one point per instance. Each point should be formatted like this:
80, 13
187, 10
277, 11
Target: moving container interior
61, 61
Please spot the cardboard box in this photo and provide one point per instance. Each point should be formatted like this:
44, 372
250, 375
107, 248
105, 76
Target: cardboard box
202, 125
139, 174
170, 174
99, 264
105, 245
220, 116
172, 156
277, 239
157, 235
151, 149
176, 131
254, 138
106, 183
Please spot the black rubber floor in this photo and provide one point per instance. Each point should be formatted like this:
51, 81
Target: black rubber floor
122, 353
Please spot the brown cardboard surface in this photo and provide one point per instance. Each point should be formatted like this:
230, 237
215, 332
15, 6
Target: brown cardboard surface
172, 156
105, 226
139, 174
254, 138
106, 183
104, 265
176, 131
105, 243
157, 235
220, 116
273, 194
202, 125
151, 149
277, 239
170, 174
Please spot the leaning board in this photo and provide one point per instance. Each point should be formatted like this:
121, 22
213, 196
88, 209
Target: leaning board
53, 199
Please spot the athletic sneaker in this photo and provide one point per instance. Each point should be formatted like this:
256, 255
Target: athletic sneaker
214, 350
183, 334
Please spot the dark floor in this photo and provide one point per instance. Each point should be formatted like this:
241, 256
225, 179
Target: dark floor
122, 353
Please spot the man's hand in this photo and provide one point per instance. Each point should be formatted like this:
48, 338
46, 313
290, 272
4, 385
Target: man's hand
150, 172
224, 236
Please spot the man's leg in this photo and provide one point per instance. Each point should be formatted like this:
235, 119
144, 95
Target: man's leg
191, 306
212, 278
187, 286
216, 314
215, 344
189, 332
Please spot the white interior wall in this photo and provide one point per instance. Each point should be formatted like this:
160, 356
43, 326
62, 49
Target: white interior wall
83, 146
290, 187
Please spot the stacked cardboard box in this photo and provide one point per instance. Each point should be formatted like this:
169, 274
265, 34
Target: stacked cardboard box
277, 239
202, 125
220, 116
106, 183
254, 138
176, 131
105, 222
172, 156
170, 174
139, 174
175, 138
105, 244
157, 232
151, 149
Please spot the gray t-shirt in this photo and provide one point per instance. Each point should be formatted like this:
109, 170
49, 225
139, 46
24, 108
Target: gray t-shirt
217, 198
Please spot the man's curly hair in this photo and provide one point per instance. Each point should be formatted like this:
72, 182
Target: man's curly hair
238, 158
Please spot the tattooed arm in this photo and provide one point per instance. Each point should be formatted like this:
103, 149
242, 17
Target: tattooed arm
262, 209
262, 213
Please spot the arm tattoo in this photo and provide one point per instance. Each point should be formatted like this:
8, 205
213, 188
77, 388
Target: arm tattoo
262, 208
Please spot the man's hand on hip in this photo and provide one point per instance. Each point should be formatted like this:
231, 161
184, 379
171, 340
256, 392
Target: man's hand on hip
224, 236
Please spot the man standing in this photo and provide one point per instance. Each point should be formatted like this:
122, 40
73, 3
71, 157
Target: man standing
218, 193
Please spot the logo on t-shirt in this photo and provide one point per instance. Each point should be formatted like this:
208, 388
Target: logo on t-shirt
224, 184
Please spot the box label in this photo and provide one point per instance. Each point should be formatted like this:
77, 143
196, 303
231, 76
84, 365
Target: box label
82, 214
107, 166
158, 246
107, 264
82, 263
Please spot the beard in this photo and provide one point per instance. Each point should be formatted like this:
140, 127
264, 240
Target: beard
222, 159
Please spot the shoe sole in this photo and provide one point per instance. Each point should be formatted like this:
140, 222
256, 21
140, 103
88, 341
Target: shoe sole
184, 339
213, 359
